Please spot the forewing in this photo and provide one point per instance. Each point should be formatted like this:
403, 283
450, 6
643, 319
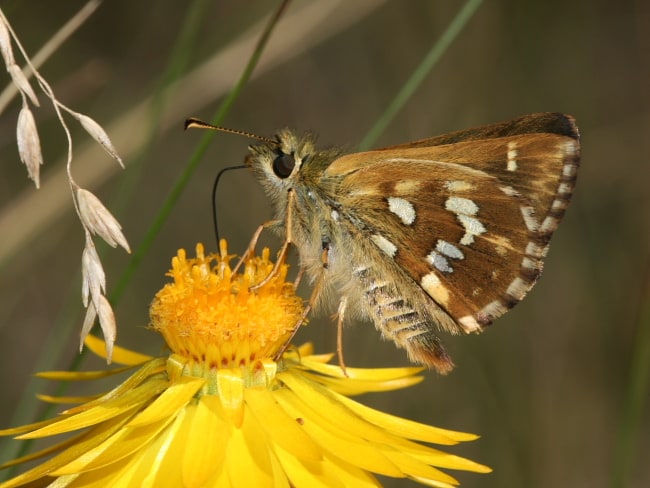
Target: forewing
470, 220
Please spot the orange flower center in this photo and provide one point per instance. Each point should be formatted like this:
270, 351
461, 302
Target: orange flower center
211, 319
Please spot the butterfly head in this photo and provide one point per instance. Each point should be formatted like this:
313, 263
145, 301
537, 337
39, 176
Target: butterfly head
288, 161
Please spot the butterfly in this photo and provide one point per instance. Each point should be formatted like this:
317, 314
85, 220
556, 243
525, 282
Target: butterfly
440, 234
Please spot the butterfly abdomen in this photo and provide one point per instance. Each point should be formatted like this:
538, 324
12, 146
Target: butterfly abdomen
398, 320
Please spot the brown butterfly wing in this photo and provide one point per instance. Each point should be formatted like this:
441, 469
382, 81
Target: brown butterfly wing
470, 218
540, 123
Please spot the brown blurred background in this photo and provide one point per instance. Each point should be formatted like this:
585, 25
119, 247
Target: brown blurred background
546, 386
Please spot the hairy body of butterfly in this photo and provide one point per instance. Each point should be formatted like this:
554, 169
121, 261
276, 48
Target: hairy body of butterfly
443, 233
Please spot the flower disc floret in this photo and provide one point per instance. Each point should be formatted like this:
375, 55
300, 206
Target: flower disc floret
209, 315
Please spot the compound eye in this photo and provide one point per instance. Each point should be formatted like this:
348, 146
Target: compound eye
283, 165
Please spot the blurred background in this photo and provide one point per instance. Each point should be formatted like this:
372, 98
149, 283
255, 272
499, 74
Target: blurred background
546, 387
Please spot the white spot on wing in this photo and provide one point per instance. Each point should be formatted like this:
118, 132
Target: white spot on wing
457, 185
438, 257
512, 156
435, 289
407, 187
469, 324
431, 280
549, 225
473, 227
518, 288
569, 169
439, 262
384, 244
532, 224
449, 250
570, 148
403, 209
559, 205
494, 309
465, 209
460, 205
529, 263
533, 249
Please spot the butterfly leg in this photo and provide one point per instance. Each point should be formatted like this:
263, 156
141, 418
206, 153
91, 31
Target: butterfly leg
339, 332
250, 250
300, 321
285, 245
301, 272
340, 314
318, 287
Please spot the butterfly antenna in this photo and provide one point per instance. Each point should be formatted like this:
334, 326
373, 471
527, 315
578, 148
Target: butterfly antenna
214, 197
193, 123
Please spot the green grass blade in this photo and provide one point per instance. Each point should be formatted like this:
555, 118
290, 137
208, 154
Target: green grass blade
420, 73
191, 166
636, 400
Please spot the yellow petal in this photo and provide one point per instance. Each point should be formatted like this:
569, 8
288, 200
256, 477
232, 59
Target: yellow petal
88, 441
62, 481
164, 469
337, 442
434, 483
413, 467
357, 387
349, 474
280, 479
445, 460
231, 392
80, 375
115, 448
307, 349
414, 458
126, 403
280, 428
305, 472
30, 427
374, 374
66, 399
117, 475
120, 355
246, 460
169, 402
208, 438
133, 471
259, 448
147, 371
407, 428
43, 452
222, 481
332, 413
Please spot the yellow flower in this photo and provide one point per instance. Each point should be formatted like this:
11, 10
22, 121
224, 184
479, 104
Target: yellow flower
221, 410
